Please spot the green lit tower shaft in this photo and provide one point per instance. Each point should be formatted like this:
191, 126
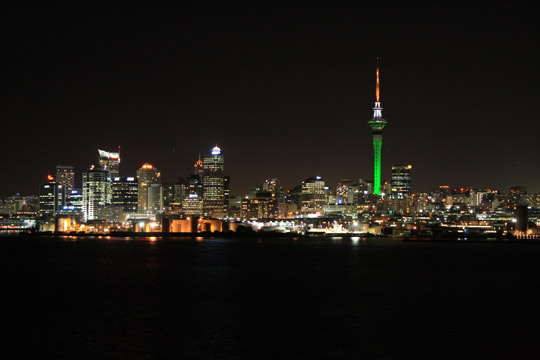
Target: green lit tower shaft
377, 124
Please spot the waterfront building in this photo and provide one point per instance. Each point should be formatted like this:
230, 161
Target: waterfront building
314, 194
173, 195
192, 203
52, 196
125, 192
110, 161
18, 204
263, 206
155, 199
111, 213
150, 195
74, 201
377, 124
234, 206
214, 183
265, 201
65, 176
96, 192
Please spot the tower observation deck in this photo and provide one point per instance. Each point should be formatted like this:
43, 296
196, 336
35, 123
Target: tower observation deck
377, 124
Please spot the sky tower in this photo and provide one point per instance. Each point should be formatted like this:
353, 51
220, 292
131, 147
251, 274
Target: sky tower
377, 124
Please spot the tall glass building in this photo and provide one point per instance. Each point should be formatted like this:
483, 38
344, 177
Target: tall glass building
150, 192
401, 180
125, 193
314, 195
214, 183
96, 192
65, 176
52, 196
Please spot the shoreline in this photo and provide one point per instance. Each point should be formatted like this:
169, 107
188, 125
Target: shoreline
269, 234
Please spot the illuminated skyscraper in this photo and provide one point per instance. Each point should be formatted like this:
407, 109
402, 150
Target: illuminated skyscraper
74, 201
214, 183
150, 192
65, 176
124, 193
401, 180
377, 124
96, 192
110, 161
52, 196
192, 203
314, 194
173, 195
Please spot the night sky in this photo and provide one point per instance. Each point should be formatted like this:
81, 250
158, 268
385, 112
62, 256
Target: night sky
285, 91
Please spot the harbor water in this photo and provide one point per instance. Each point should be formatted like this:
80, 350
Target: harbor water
277, 298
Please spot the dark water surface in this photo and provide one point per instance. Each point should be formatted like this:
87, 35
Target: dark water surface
90, 298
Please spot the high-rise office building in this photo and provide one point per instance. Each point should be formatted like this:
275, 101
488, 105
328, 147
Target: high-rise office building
155, 199
52, 196
192, 203
150, 193
173, 195
377, 124
125, 193
74, 201
110, 161
96, 192
314, 194
214, 183
401, 180
65, 176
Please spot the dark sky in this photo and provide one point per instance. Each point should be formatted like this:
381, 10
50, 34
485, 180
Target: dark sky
285, 90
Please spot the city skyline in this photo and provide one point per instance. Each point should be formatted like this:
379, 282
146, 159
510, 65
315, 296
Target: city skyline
288, 99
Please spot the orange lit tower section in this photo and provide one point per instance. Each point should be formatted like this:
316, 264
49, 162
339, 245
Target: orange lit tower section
377, 124
198, 168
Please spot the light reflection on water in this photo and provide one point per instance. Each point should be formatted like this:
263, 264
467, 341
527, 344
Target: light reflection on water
348, 297
353, 240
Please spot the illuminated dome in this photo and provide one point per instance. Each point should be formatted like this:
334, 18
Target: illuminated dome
216, 151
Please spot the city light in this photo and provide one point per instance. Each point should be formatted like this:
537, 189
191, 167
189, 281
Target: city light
141, 202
